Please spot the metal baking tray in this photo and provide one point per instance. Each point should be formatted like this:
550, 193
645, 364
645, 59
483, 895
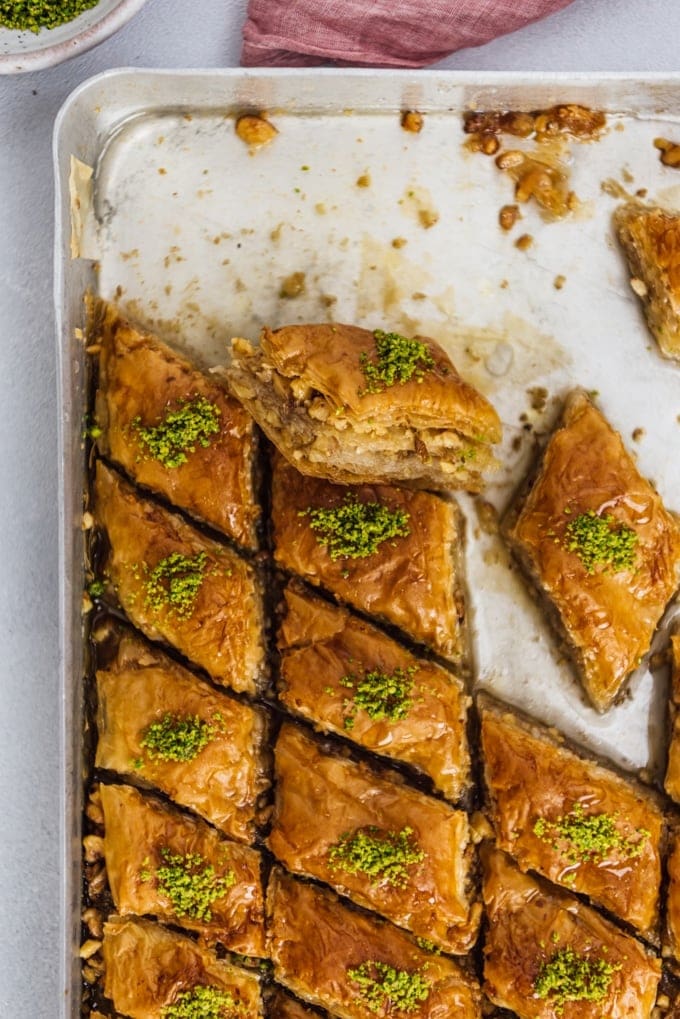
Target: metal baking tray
160, 205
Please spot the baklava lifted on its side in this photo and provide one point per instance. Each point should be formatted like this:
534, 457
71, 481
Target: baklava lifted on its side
599, 544
571, 820
347, 677
389, 552
357, 406
548, 956
172, 428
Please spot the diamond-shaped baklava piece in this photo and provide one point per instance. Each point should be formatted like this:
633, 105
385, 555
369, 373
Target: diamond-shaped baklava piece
650, 238
596, 539
172, 428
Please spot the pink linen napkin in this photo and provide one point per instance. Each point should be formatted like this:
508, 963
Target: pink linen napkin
378, 33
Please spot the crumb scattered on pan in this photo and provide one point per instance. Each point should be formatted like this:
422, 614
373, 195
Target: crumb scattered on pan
364, 181
524, 242
567, 119
539, 397
637, 434
254, 130
508, 216
669, 152
399, 242
559, 281
412, 121
293, 285
487, 515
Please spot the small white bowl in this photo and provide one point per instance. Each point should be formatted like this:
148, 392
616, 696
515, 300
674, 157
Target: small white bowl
28, 51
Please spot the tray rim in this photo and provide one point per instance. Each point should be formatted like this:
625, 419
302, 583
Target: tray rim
70, 653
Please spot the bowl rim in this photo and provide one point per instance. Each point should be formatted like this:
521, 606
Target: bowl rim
49, 56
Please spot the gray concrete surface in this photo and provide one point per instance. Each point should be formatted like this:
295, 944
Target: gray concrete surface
590, 35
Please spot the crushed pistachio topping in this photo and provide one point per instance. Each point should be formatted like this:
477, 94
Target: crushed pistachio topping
382, 987
178, 737
397, 359
601, 541
174, 583
34, 15
190, 883
202, 1003
587, 838
355, 529
568, 976
382, 695
180, 432
382, 855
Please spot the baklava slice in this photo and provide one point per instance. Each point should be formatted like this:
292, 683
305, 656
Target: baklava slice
348, 677
357, 406
571, 820
672, 918
672, 780
388, 847
281, 1005
547, 955
650, 238
172, 428
179, 870
390, 552
179, 586
203, 749
355, 965
153, 973
596, 539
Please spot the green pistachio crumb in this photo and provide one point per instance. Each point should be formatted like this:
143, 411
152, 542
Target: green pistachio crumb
397, 359
33, 15
382, 695
202, 1003
568, 976
381, 855
174, 583
177, 737
601, 541
382, 987
179, 432
428, 946
96, 588
587, 838
191, 884
355, 529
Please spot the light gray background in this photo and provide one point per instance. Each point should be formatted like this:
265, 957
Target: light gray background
589, 35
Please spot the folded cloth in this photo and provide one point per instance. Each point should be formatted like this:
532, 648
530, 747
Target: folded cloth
378, 33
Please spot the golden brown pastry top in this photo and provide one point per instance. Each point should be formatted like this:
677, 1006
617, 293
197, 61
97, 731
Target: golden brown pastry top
657, 234
141, 381
609, 617
672, 931
281, 1005
149, 968
539, 790
322, 798
314, 940
144, 838
531, 923
222, 783
328, 359
219, 628
409, 580
321, 645
672, 779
